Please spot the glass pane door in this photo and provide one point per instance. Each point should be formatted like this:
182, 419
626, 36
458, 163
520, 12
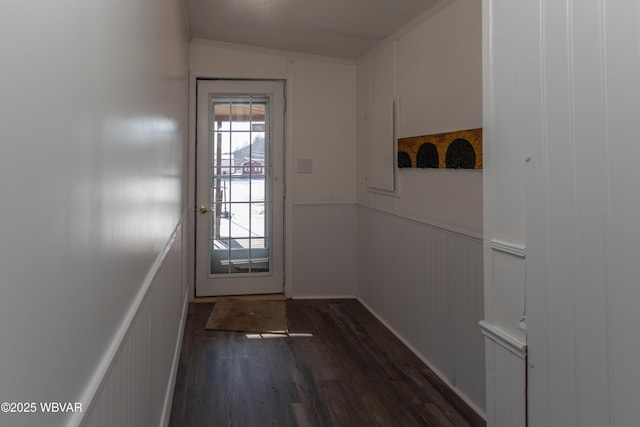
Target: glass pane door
240, 169
239, 187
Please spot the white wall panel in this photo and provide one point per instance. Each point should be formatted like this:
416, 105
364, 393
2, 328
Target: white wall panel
137, 386
426, 284
510, 125
93, 112
324, 265
566, 268
581, 274
168, 311
320, 121
466, 276
124, 397
383, 74
507, 309
505, 133
363, 86
621, 60
323, 116
419, 269
445, 55
506, 388
208, 55
444, 197
437, 80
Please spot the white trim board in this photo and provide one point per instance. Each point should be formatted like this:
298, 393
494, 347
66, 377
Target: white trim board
504, 339
443, 227
301, 297
508, 248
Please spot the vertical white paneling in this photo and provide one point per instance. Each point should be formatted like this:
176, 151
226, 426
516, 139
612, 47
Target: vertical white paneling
363, 84
589, 212
503, 414
466, 275
491, 382
425, 283
560, 197
568, 322
511, 127
137, 386
167, 306
581, 231
506, 383
508, 304
325, 266
510, 390
124, 397
622, 67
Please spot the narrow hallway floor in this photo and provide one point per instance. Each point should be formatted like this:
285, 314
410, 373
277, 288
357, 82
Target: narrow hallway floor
338, 367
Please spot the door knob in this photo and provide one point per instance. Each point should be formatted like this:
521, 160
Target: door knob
203, 209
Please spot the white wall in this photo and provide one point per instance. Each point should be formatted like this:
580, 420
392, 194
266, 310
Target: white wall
93, 114
425, 284
576, 65
510, 41
320, 126
325, 261
433, 67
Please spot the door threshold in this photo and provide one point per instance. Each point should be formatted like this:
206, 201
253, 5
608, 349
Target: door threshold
257, 297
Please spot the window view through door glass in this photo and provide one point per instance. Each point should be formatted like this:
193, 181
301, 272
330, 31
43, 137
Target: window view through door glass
240, 202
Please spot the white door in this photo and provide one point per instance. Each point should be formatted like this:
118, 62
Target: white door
239, 187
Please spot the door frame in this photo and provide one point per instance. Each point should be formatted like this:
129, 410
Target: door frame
270, 227
190, 165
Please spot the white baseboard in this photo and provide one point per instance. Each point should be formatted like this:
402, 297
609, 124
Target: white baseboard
324, 297
440, 375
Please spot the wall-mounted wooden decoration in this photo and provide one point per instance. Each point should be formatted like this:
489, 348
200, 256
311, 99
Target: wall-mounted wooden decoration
454, 150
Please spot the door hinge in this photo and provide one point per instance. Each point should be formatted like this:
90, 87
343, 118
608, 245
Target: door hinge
285, 104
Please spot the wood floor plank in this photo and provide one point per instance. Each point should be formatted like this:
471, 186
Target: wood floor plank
346, 369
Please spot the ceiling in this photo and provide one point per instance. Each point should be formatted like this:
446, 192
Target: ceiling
339, 28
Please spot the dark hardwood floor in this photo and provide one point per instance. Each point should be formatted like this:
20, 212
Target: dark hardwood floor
350, 371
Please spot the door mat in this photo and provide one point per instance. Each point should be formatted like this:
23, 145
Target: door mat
231, 314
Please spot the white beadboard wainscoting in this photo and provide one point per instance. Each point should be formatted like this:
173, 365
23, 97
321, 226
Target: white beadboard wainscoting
324, 251
506, 358
504, 329
134, 384
426, 284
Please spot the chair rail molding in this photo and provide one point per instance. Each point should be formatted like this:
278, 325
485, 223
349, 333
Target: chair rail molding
508, 248
506, 340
